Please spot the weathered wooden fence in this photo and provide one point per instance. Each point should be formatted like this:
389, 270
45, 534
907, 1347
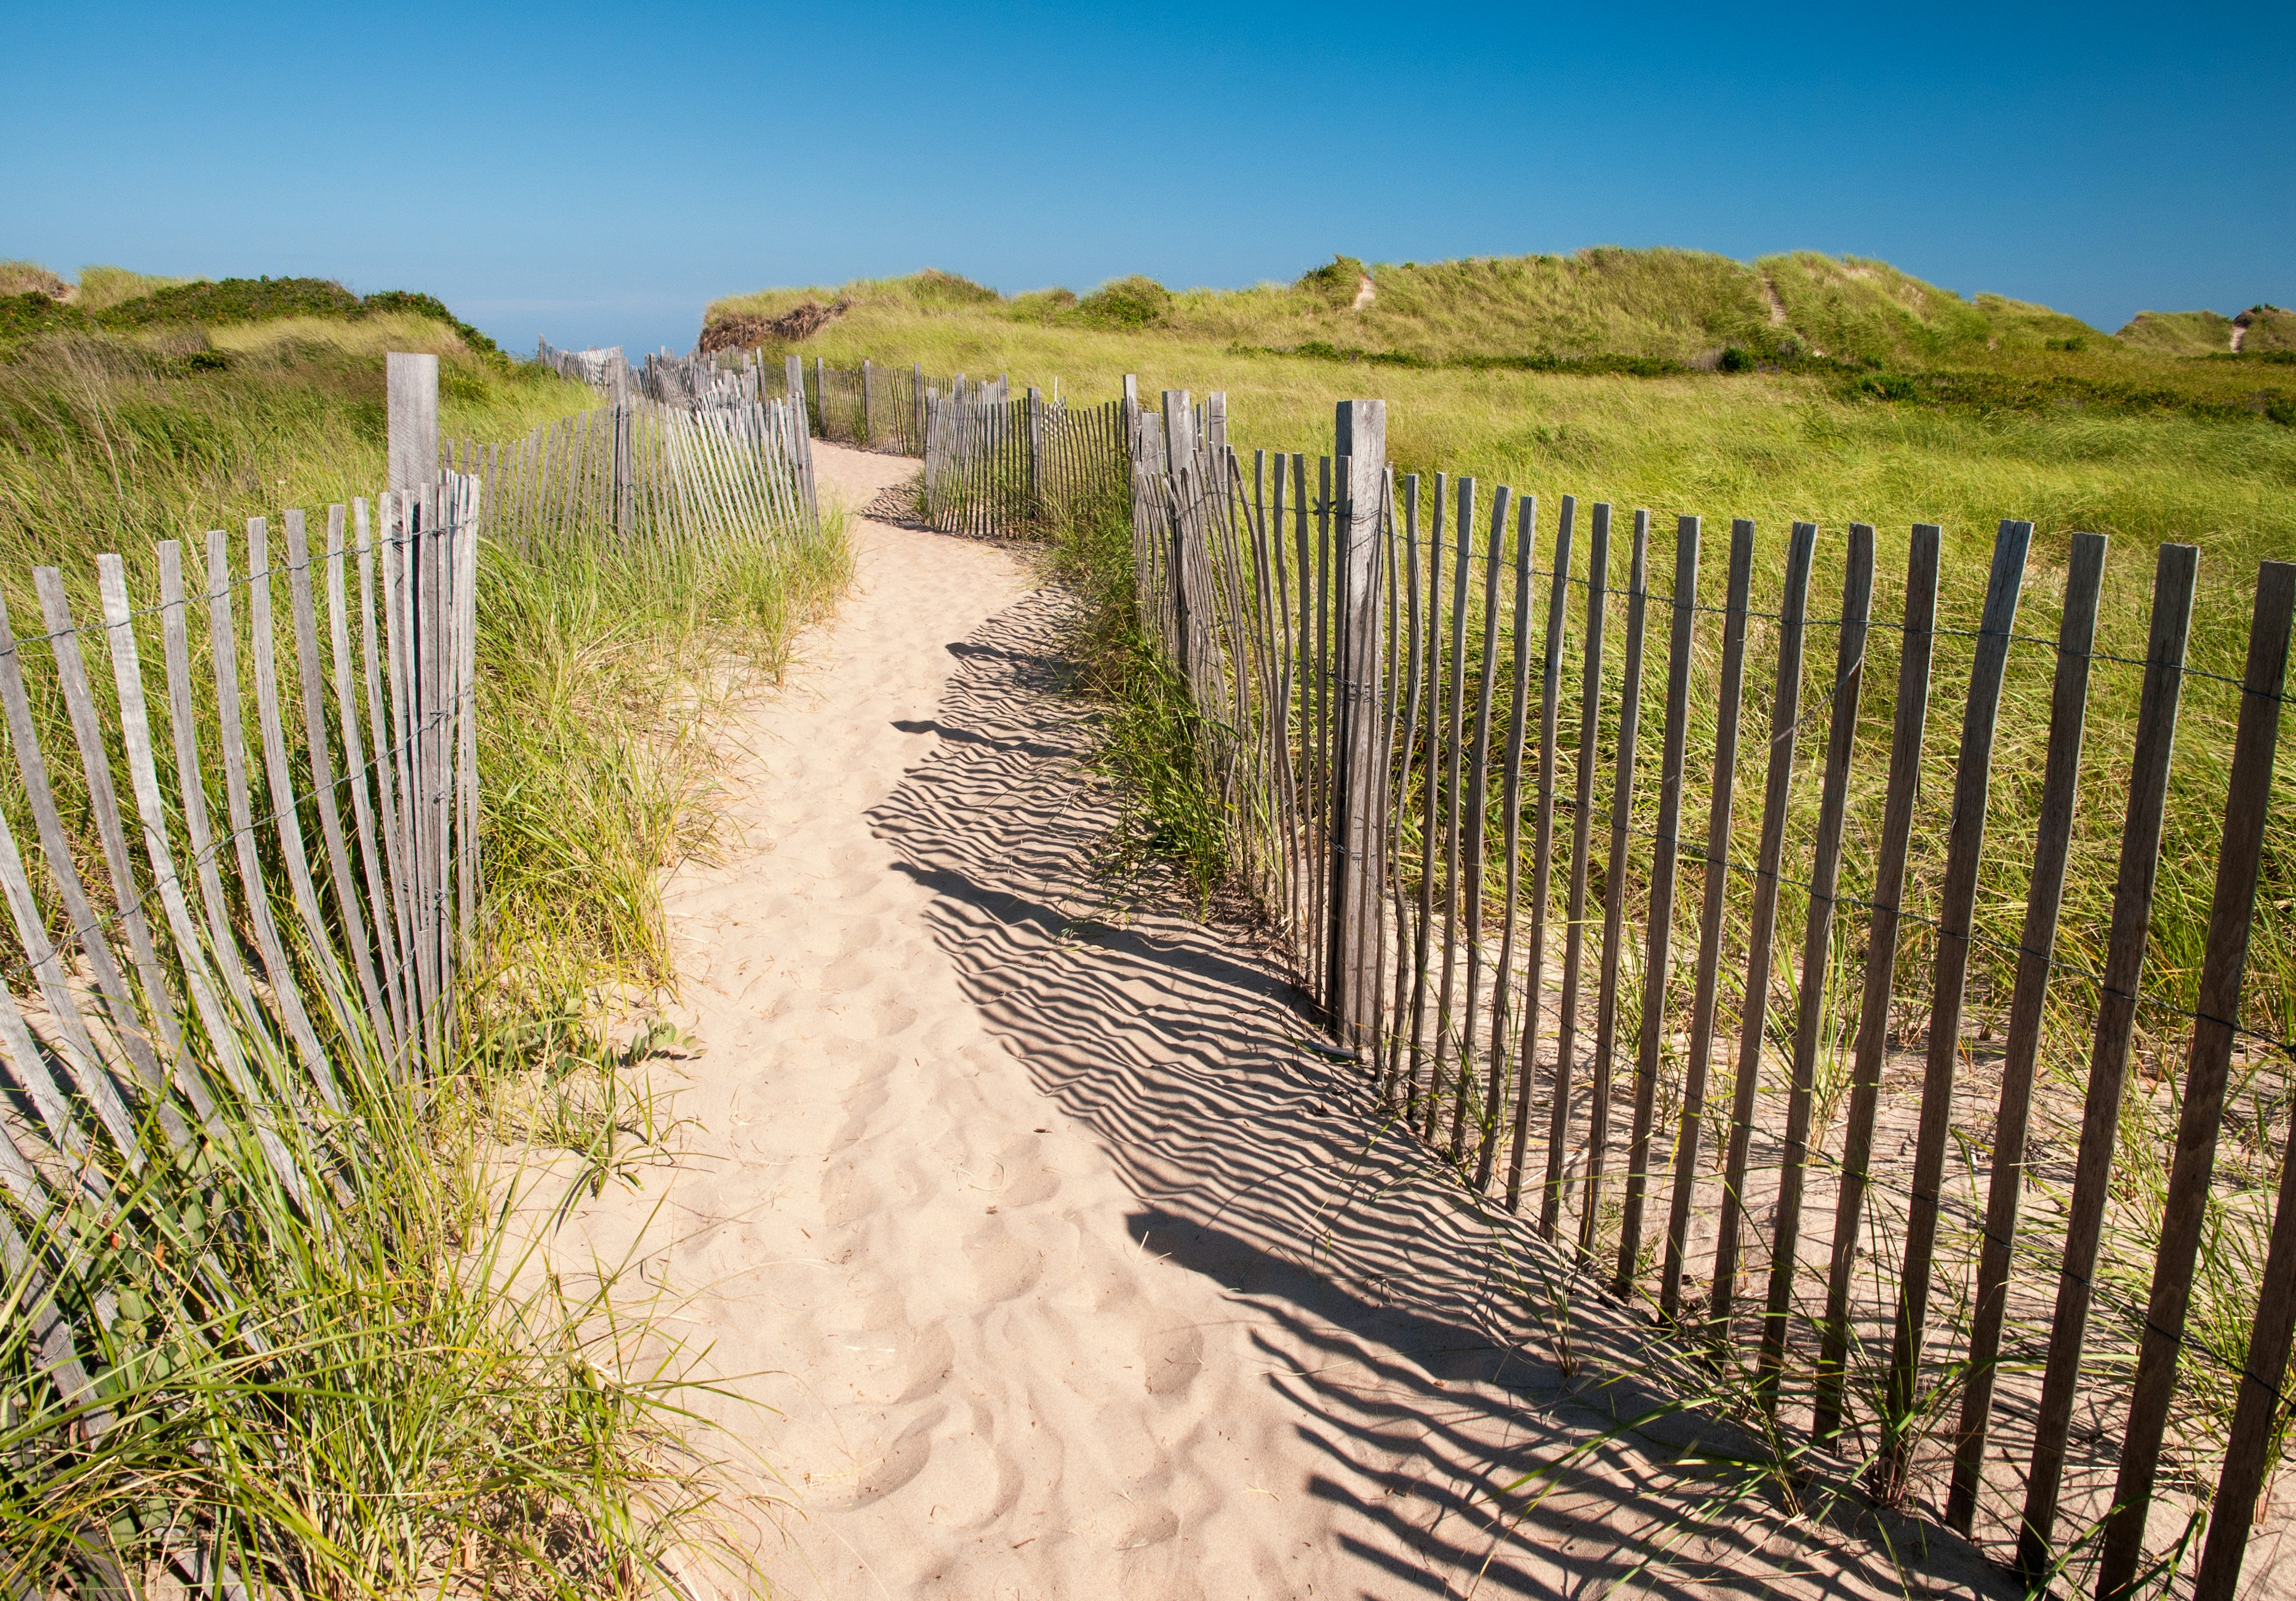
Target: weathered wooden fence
652, 473
287, 886
605, 369
291, 889
1461, 751
995, 465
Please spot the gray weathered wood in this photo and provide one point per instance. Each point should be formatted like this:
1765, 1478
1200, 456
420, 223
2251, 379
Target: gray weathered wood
1614, 898
1816, 945
1319, 766
1542, 848
469, 884
1658, 934
103, 804
2240, 859
323, 770
2176, 569
86, 1065
1454, 742
257, 895
1526, 541
2044, 893
411, 391
1432, 819
144, 781
1582, 820
285, 814
1713, 911
223, 941
1956, 913
1360, 430
373, 544
1761, 923
84, 926
1917, 634
1478, 832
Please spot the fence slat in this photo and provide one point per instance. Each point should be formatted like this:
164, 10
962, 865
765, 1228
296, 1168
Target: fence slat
1430, 832
323, 772
1956, 913
1582, 821
1478, 834
223, 639
144, 781
1658, 935
103, 804
2045, 892
1457, 712
1918, 635
2175, 568
223, 941
1526, 540
1614, 885
286, 818
1715, 907
1817, 934
2231, 912
89, 1072
84, 926
1761, 923
1550, 700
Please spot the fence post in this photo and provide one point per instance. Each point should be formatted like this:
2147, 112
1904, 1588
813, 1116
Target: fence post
625, 493
411, 383
1036, 451
821, 397
1359, 444
794, 367
1131, 411
869, 408
917, 394
1179, 454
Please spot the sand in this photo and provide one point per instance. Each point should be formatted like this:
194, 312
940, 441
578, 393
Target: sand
1046, 1251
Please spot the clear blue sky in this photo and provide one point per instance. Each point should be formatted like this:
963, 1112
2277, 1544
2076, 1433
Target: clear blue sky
597, 174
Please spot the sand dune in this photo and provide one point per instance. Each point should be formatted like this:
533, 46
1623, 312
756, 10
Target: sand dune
1051, 1253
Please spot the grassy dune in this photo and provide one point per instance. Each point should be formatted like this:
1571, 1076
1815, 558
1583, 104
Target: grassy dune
1923, 408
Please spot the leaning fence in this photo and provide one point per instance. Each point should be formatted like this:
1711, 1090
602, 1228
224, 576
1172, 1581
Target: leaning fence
995, 465
285, 890
652, 474
1835, 1081
242, 872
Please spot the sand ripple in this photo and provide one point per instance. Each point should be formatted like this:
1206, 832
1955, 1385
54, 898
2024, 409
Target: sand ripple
1064, 1264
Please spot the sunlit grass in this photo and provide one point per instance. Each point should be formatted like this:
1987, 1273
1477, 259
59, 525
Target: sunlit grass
397, 1395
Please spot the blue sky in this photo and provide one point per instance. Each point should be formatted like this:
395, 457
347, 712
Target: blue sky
597, 174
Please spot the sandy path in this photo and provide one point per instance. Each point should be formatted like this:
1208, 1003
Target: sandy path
1065, 1263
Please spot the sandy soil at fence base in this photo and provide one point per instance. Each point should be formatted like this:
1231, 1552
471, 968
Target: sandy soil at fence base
1048, 1253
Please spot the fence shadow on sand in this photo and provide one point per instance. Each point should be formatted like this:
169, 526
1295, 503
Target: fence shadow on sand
1487, 1420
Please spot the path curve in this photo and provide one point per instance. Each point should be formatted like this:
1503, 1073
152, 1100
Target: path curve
1061, 1261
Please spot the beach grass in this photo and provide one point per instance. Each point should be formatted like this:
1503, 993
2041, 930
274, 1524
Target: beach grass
433, 1410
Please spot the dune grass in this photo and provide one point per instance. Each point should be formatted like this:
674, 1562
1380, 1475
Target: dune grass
373, 1387
431, 1411
1770, 446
